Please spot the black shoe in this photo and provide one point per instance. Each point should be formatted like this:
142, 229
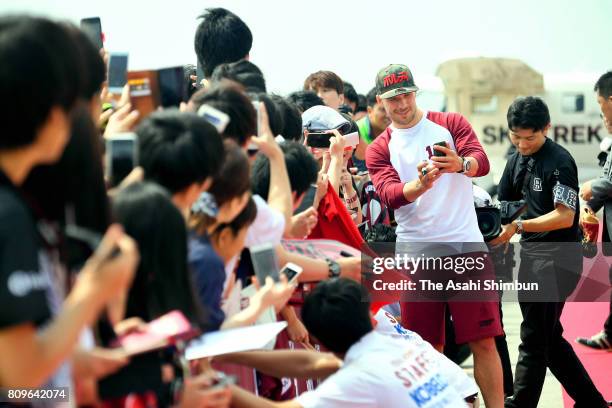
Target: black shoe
600, 341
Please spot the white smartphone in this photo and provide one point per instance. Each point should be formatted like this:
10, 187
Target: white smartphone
292, 272
121, 157
117, 72
218, 119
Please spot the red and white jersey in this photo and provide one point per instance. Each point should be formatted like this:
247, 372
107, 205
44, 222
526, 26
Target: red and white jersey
445, 213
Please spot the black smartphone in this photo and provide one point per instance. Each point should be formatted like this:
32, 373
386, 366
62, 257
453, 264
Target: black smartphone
265, 263
438, 153
93, 29
117, 72
172, 86
320, 140
121, 157
200, 75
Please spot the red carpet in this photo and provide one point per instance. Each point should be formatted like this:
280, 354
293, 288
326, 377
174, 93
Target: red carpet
583, 319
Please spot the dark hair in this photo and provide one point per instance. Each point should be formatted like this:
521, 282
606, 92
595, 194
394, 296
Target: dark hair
221, 37
324, 79
371, 97
305, 100
275, 116
230, 100
242, 220
362, 105
41, 68
232, 180
162, 282
243, 72
352, 127
380, 233
53, 189
188, 71
337, 314
301, 167
177, 149
528, 112
350, 94
292, 119
95, 69
345, 109
603, 86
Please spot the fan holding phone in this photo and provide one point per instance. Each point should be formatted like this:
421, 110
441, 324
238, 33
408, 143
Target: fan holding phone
321, 123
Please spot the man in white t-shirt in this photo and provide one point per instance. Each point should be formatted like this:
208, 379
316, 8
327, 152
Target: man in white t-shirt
378, 370
422, 166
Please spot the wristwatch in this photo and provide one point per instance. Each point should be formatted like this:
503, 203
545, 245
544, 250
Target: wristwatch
467, 165
334, 268
519, 226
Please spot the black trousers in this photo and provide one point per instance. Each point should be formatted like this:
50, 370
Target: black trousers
543, 346
502, 349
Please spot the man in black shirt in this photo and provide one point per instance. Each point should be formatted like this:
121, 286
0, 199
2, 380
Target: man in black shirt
544, 174
598, 194
39, 85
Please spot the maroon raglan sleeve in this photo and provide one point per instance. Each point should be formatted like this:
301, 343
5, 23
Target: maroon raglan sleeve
387, 182
467, 142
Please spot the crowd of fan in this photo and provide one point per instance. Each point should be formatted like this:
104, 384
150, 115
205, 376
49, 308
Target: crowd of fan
82, 265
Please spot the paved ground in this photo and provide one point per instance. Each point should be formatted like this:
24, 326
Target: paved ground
551, 394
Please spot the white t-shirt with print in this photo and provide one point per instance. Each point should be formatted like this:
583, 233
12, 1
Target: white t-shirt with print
385, 371
458, 379
445, 213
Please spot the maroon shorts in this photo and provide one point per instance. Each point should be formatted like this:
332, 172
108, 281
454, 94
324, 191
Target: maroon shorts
472, 320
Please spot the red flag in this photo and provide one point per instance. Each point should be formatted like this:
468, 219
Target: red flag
335, 222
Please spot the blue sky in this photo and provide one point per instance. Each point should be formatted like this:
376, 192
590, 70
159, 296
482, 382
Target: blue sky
356, 38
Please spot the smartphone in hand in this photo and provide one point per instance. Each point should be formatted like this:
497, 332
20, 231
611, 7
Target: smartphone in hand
214, 116
121, 157
265, 262
319, 140
172, 87
292, 272
92, 27
117, 72
438, 153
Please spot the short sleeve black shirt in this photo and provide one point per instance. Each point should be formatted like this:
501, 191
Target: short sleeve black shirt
551, 178
23, 285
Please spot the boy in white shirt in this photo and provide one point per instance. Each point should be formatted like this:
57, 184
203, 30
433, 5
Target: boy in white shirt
368, 368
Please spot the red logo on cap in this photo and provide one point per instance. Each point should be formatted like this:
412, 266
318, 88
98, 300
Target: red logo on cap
393, 79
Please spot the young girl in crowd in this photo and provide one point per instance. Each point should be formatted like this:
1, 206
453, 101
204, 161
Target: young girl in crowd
218, 235
162, 284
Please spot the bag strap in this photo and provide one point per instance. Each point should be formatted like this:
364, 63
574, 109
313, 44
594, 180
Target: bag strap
526, 178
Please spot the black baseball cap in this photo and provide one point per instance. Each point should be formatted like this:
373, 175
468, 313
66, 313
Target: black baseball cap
394, 79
